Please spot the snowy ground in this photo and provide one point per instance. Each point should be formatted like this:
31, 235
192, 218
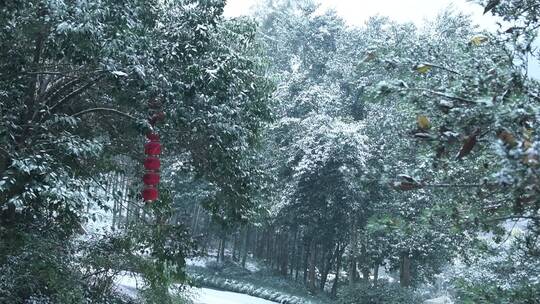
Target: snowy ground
251, 265
127, 284
211, 296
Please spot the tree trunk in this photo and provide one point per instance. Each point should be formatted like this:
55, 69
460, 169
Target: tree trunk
284, 254
268, 246
111, 188
307, 255
333, 292
294, 258
364, 265
299, 261
245, 246
353, 254
236, 243
312, 260
328, 263
405, 270
195, 224
222, 248
259, 244
125, 198
376, 273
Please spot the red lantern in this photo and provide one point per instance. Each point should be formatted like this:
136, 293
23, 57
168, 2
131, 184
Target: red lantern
151, 179
152, 148
159, 116
152, 163
150, 194
152, 136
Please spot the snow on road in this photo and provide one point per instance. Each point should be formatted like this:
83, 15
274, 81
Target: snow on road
127, 284
211, 296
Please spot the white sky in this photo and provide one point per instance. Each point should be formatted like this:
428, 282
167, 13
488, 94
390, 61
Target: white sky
356, 12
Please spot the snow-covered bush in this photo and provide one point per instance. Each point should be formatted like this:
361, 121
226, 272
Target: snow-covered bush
246, 288
382, 293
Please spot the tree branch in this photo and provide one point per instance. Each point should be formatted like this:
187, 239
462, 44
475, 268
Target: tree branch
76, 92
103, 110
444, 68
48, 97
513, 217
454, 185
441, 95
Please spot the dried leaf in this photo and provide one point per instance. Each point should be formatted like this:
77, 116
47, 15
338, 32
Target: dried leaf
468, 145
507, 138
528, 133
423, 122
478, 40
423, 68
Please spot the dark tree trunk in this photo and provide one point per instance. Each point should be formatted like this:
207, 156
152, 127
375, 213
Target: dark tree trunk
260, 243
405, 270
294, 258
245, 246
299, 261
284, 254
307, 255
328, 263
376, 273
312, 267
222, 248
236, 243
333, 292
364, 265
268, 246
353, 254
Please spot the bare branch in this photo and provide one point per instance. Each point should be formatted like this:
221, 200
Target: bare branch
441, 95
103, 110
513, 217
51, 96
76, 92
454, 185
444, 68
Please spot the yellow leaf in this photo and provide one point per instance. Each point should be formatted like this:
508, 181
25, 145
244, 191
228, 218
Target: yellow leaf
507, 138
528, 133
423, 122
423, 68
478, 39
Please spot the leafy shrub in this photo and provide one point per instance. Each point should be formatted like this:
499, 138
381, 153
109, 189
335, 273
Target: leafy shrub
383, 293
246, 288
492, 293
40, 267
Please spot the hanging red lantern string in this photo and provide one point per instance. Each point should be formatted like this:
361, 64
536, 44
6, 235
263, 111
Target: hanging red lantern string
152, 163
150, 194
152, 136
151, 179
152, 148
159, 116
